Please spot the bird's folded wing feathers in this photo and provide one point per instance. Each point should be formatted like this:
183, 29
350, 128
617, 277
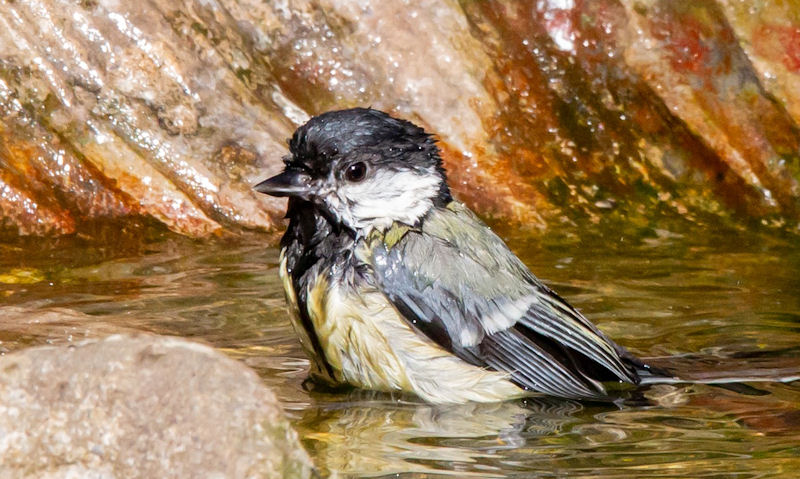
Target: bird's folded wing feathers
458, 283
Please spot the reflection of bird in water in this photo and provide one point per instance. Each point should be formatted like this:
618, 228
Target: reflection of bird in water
367, 432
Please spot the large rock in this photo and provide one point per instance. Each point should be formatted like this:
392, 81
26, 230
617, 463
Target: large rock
140, 406
547, 111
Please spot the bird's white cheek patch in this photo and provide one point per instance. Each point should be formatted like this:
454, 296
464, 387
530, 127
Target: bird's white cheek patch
386, 197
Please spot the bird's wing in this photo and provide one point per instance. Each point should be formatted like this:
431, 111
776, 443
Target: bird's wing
459, 284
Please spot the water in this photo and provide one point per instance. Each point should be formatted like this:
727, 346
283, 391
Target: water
730, 298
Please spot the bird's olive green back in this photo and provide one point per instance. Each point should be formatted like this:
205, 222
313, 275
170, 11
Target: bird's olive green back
458, 283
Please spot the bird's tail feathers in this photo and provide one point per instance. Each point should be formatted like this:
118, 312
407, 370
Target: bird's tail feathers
708, 369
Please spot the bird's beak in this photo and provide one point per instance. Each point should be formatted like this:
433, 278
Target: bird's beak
292, 182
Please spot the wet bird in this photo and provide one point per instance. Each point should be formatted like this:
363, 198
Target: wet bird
393, 285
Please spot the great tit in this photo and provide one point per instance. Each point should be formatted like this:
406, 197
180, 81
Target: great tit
393, 285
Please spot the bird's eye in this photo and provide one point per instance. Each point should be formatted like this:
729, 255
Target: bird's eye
356, 172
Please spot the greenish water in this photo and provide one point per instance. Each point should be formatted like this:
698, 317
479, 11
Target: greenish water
730, 298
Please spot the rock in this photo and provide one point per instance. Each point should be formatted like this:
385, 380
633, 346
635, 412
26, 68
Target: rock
140, 406
20, 327
547, 112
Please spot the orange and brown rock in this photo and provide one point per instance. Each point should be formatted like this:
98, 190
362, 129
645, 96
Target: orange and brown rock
547, 111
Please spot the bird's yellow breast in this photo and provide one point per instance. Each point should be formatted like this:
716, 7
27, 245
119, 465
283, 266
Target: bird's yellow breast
369, 345
318, 369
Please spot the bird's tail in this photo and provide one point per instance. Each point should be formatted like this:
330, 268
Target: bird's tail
708, 369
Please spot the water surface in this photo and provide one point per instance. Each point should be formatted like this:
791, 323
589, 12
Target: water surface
730, 299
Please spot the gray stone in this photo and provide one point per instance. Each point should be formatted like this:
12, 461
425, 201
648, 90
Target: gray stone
140, 406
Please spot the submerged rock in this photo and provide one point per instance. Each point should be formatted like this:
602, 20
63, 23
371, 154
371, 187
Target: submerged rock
547, 111
140, 406
21, 326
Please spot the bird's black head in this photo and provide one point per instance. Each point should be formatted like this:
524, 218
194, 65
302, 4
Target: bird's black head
363, 169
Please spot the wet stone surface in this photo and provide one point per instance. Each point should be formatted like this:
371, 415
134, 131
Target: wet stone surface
140, 406
546, 111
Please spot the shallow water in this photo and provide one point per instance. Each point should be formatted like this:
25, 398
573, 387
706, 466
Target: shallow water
731, 299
